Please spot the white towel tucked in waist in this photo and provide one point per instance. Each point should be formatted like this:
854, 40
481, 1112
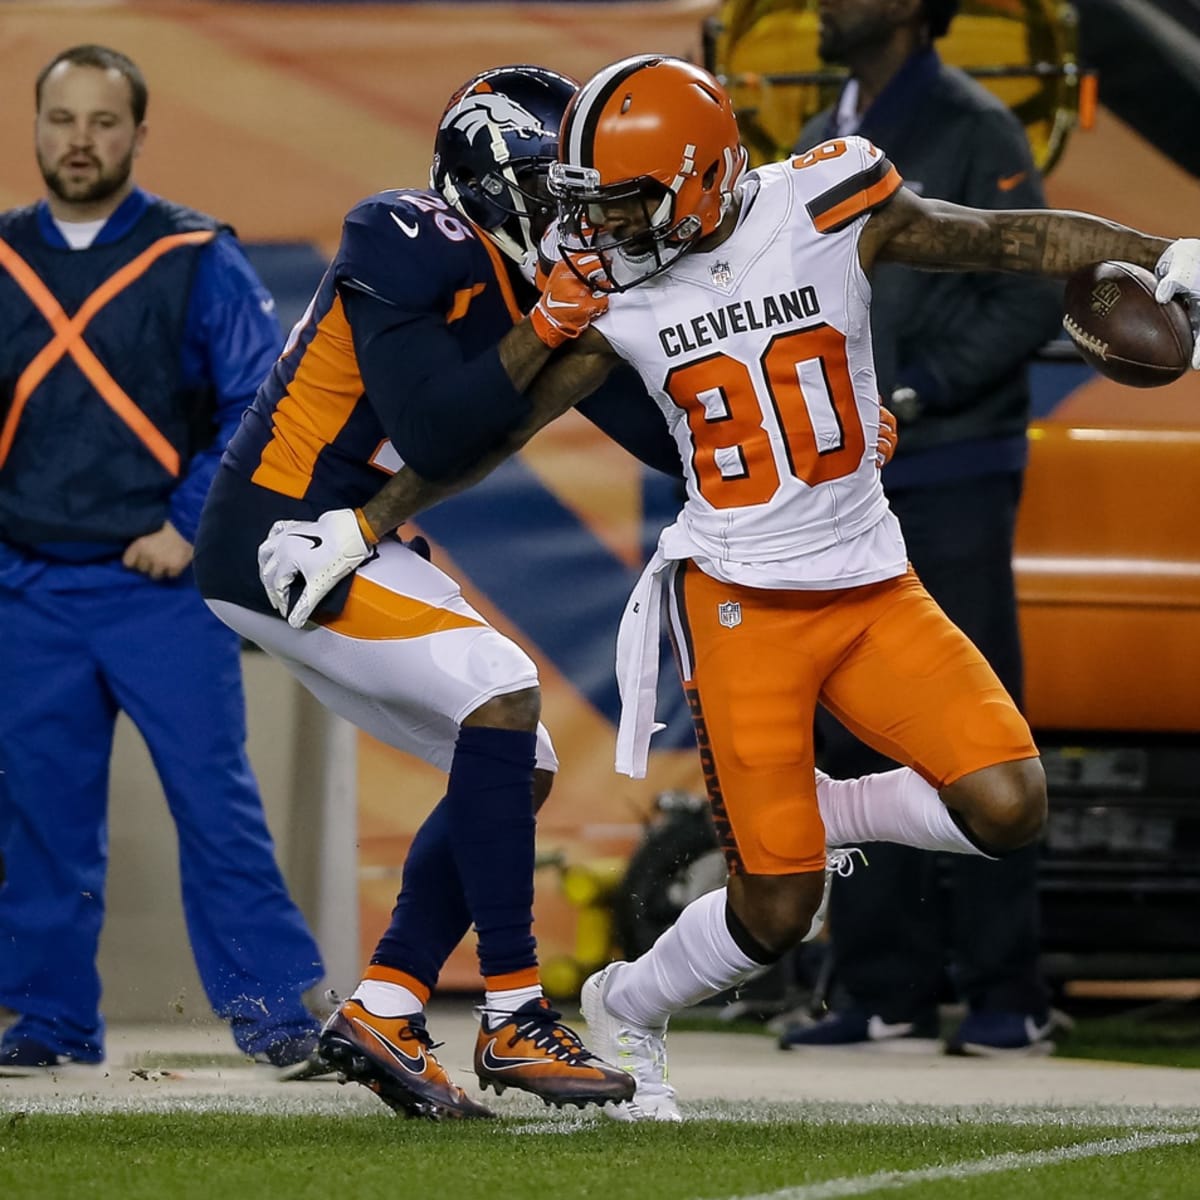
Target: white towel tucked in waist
637, 667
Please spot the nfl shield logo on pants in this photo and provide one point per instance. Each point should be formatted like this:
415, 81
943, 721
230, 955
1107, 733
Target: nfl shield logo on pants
729, 613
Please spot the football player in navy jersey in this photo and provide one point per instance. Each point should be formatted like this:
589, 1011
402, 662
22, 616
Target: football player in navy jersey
415, 353
415, 349
664, 141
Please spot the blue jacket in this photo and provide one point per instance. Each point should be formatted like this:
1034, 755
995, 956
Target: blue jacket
963, 341
127, 427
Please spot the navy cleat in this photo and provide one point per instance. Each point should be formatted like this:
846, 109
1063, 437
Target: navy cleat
856, 1027
990, 1034
22, 1056
296, 1059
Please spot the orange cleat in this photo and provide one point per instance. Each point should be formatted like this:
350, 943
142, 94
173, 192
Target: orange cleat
531, 1050
393, 1056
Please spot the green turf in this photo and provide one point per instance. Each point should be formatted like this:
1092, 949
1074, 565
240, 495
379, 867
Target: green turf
171, 1060
198, 1156
1167, 1038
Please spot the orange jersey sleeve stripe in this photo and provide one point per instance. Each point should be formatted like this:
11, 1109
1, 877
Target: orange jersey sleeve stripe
843, 211
502, 279
462, 302
317, 404
373, 613
68, 340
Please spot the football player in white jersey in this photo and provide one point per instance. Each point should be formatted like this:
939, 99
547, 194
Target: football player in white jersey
742, 298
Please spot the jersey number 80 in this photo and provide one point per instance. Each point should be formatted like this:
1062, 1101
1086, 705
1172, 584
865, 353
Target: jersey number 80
798, 398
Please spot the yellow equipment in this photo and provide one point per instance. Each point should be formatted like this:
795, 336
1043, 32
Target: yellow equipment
1024, 51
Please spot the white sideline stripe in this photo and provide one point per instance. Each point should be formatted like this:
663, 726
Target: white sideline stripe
880, 1181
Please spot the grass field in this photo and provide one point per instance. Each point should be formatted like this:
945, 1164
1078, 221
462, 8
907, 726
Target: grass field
176, 1115
783, 1153
1165, 1036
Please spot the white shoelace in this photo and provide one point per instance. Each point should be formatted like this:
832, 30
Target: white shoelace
840, 859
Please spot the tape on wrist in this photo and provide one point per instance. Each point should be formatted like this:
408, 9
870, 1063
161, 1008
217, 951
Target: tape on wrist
364, 527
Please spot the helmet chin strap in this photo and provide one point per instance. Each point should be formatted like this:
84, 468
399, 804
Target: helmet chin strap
528, 266
524, 255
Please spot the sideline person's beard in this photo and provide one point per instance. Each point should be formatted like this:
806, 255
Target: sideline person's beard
837, 42
100, 187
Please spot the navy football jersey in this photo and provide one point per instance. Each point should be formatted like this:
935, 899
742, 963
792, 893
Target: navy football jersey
313, 433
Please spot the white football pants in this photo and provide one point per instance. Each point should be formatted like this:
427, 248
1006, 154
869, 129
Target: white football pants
407, 659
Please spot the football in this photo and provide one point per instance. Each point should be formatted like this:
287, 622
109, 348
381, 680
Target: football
1110, 313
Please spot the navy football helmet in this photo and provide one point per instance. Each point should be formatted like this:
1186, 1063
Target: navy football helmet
495, 143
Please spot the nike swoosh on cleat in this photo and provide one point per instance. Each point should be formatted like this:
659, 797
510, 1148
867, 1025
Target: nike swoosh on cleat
309, 537
494, 1062
415, 1065
1035, 1032
405, 228
879, 1030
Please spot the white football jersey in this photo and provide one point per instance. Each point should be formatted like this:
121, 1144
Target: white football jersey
759, 356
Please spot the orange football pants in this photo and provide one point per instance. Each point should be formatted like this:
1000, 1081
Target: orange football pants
884, 659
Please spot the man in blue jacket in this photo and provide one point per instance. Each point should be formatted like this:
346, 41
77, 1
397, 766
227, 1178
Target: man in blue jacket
136, 333
951, 354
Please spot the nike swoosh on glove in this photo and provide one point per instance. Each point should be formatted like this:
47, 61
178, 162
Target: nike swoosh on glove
568, 305
321, 552
1178, 272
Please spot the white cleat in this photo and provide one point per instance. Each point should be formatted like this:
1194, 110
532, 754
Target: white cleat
839, 860
640, 1051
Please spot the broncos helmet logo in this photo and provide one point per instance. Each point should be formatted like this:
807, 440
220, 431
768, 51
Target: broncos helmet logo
496, 113
496, 139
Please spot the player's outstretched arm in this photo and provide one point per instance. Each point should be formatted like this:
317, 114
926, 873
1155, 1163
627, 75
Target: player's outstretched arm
552, 382
940, 236
345, 538
937, 235
560, 385
562, 316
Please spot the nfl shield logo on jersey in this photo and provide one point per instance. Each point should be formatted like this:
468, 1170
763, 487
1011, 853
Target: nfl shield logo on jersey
729, 613
721, 274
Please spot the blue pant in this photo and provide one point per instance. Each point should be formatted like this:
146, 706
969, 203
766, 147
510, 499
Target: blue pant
70, 660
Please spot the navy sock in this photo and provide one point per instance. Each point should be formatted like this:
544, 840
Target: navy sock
431, 915
490, 808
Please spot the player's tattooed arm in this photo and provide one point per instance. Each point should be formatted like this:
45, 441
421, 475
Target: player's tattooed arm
936, 235
523, 355
572, 375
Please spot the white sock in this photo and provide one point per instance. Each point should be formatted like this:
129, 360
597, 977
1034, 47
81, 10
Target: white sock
386, 999
498, 1006
695, 959
894, 806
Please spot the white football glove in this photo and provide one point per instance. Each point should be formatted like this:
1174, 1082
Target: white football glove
1178, 272
321, 552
